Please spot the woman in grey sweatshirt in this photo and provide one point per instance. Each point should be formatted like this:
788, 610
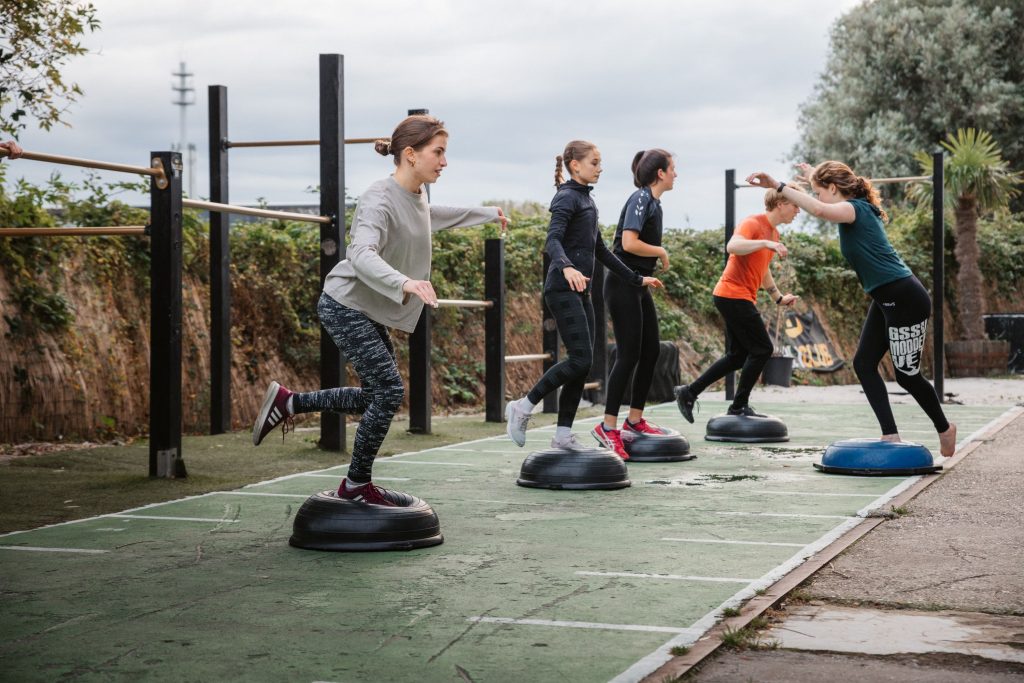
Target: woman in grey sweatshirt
383, 282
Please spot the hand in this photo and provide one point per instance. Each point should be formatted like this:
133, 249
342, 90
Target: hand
762, 179
663, 257
652, 282
421, 288
779, 248
13, 150
504, 222
806, 171
577, 281
788, 299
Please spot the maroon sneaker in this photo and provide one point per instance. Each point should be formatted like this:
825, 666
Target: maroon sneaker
644, 427
273, 412
368, 493
610, 439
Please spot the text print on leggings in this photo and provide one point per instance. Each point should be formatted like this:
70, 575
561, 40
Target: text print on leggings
906, 344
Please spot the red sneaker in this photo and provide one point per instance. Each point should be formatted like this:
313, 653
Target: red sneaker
368, 493
610, 439
644, 427
273, 412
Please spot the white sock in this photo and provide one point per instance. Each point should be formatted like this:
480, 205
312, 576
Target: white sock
351, 485
526, 405
563, 433
289, 406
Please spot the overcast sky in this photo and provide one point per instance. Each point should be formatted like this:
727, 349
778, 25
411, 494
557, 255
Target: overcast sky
718, 83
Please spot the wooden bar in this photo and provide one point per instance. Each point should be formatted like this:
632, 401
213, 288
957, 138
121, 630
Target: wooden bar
526, 357
155, 171
464, 303
249, 211
72, 231
229, 144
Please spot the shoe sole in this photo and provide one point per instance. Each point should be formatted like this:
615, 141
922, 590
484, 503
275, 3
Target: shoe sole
268, 404
686, 413
508, 426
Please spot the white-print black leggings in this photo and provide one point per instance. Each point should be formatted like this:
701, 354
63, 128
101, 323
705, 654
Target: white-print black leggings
896, 323
367, 345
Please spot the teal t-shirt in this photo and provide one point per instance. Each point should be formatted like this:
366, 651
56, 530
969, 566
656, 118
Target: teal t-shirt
866, 247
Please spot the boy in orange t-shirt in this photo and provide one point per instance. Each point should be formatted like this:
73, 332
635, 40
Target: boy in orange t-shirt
748, 346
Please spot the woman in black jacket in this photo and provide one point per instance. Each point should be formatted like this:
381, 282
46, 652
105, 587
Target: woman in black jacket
574, 240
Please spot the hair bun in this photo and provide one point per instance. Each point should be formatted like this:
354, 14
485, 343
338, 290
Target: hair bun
383, 147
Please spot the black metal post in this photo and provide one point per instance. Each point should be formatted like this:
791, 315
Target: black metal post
332, 235
220, 265
730, 226
420, 391
938, 272
494, 329
549, 340
165, 327
599, 366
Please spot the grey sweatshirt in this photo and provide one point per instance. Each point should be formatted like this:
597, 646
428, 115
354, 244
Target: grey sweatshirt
391, 244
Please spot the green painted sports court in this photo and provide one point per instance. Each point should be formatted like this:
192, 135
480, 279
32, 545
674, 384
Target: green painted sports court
529, 585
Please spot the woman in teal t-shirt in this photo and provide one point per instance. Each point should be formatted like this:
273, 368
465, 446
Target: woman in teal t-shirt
898, 316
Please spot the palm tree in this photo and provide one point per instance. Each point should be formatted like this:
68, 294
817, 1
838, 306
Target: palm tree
977, 180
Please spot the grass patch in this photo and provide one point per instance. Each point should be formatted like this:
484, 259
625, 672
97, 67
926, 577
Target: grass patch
729, 612
680, 650
37, 490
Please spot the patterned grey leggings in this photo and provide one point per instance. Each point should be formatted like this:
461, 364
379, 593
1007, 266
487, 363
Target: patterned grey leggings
367, 345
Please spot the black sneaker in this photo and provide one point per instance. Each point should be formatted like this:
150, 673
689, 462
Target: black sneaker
745, 411
686, 400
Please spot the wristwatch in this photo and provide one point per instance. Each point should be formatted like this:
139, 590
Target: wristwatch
779, 188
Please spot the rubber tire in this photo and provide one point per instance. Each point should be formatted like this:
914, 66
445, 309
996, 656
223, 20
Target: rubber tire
872, 457
671, 447
744, 429
327, 522
584, 469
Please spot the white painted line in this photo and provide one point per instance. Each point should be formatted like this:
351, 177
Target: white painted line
447, 449
720, 540
334, 476
38, 549
579, 624
671, 577
175, 519
259, 493
814, 493
782, 514
422, 462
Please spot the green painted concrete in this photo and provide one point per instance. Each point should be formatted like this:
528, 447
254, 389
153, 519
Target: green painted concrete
228, 599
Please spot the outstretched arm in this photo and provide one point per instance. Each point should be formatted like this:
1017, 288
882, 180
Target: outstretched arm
842, 212
741, 246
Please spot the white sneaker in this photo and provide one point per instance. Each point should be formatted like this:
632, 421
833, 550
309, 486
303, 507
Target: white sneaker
570, 442
516, 421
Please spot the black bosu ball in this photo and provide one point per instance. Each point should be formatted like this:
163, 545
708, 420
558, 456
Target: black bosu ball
670, 447
327, 522
746, 429
573, 469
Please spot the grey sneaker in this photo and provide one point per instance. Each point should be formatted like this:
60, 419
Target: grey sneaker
516, 421
570, 442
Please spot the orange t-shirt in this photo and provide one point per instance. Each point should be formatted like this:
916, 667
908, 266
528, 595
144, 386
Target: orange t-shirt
743, 274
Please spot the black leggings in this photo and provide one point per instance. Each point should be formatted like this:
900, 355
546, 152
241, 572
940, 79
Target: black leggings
897, 321
748, 347
635, 322
574, 315
367, 345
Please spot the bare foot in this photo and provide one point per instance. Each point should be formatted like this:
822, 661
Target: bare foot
947, 441
891, 438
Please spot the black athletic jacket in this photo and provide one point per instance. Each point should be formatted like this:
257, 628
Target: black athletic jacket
574, 239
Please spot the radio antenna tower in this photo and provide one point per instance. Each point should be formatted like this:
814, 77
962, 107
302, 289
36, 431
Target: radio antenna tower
185, 97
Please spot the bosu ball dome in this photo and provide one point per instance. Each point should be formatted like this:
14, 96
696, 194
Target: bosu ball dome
327, 522
746, 429
874, 457
669, 447
573, 469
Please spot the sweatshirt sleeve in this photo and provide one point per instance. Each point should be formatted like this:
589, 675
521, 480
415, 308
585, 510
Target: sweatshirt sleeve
445, 217
615, 265
561, 213
369, 233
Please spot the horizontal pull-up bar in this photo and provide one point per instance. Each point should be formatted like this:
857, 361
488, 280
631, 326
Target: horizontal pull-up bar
526, 357
156, 170
876, 181
591, 385
464, 303
72, 231
249, 211
229, 144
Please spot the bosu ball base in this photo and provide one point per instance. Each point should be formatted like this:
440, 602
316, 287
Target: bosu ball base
670, 447
327, 522
745, 429
879, 458
573, 469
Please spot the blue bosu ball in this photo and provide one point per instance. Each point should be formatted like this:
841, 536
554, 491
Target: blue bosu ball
875, 457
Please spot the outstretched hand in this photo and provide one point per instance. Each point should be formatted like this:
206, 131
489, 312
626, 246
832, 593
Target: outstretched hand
788, 299
762, 179
806, 171
780, 249
12, 149
577, 280
423, 289
652, 282
504, 221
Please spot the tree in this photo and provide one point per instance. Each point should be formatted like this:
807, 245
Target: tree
903, 73
37, 38
976, 180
